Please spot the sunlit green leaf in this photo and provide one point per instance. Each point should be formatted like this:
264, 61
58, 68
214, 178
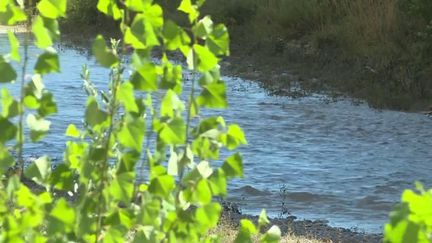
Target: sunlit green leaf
234, 137
110, 8
9, 104
48, 62
233, 166
145, 78
273, 235
38, 127
131, 135
171, 104
103, 55
121, 188
218, 40
162, 185
208, 215
126, 96
263, 219
173, 132
14, 45
52, 8
247, 230
206, 60
174, 36
39, 170
190, 9
213, 96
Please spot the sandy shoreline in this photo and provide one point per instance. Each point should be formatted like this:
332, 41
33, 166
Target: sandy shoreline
308, 229
4, 29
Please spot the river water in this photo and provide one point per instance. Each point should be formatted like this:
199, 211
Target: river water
334, 161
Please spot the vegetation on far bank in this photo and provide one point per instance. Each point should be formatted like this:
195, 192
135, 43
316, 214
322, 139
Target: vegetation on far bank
379, 50
125, 128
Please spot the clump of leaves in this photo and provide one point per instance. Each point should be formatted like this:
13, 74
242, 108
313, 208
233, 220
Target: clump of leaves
122, 129
411, 221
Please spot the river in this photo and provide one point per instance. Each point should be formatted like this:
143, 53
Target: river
334, 161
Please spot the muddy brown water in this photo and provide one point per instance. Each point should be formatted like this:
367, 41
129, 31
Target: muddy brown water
336, 161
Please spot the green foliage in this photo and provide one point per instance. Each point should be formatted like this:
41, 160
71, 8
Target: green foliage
174, 200
411, 221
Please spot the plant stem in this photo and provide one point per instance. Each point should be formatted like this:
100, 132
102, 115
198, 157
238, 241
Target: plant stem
20, 142
113, 108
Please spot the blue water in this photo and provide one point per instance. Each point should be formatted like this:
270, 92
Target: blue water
337, 161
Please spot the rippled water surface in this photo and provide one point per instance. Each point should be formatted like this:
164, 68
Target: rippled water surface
335, 161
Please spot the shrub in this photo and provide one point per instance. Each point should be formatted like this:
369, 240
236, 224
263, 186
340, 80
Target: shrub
175, 200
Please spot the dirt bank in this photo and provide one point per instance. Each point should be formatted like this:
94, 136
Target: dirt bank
283, 67
307, 229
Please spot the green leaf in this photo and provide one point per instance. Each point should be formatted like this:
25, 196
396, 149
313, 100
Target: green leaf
11, 14
218, 183
174, 36
273, 235
52, 9
138, 5
8, 130
205, 169
218, 41
6, 160
202, 193
247, 230
213, 95
38, 127
172, 76
206, 60
173, 132
126, 96
94, 115
191, 10
43, 38
103, 55
47, 105
8, 73
62, 178
171, 105
162, 185
63, 215
263, 219
209, 214
110, 8
48, 62
9, 104
46, 31
141, 35
131, 134
204, 27
14, 45
234, 137
122, 187
145, 78
72, 131
233, 166
173, 163
39, 170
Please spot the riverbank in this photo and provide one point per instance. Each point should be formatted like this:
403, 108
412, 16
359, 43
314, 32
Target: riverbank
294, 230
300, 69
